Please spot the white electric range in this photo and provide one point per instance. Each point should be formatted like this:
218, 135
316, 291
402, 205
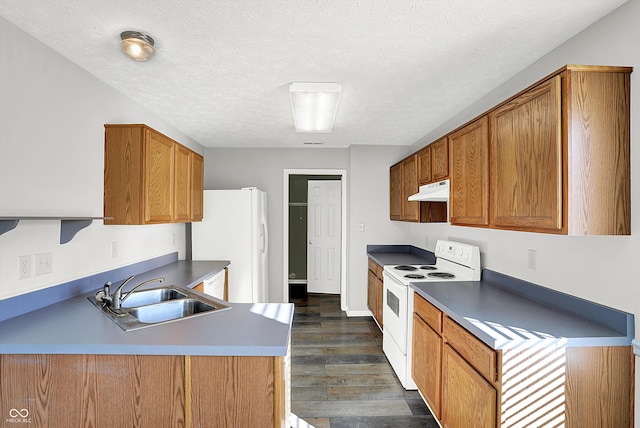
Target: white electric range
455, 261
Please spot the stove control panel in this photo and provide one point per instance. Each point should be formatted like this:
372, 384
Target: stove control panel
458, 252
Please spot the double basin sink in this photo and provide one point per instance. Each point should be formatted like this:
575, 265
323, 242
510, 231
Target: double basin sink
160, 305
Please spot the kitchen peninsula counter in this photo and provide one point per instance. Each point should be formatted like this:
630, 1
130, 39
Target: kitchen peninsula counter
67, 364
76, 326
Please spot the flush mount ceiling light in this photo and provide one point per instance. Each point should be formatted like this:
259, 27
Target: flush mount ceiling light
137, 46
314, 105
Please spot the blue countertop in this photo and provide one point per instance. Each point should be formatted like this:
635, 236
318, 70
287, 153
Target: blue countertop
506, 313
76, 326
400, 255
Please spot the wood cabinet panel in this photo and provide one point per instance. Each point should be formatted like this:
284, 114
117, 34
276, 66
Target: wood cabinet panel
395, 192
598, 144
469, 197
599, 384
468, 400
197, 187
374, 291
379, 301
427, 363
440, 159
526, 160
182, 181
123, 169
371, 291
95, 390
159, 177
429, 313
424, 165
411, 209
240, 391
479, 355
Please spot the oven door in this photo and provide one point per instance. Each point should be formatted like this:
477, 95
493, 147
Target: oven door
394, 312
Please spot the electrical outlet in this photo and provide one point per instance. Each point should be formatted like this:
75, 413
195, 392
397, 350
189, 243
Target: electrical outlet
173, 239
24, 267
361, 227
532, 256
114, 250
43, 263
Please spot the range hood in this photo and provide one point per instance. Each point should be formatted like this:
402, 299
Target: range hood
432, 192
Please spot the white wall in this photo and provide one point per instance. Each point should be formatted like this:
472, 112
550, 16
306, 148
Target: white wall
264, 168
369, 204
51, 164
601, 269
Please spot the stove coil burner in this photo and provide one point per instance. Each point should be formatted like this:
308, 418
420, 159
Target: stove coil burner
445, 275
406, 267
428, 267
414, 276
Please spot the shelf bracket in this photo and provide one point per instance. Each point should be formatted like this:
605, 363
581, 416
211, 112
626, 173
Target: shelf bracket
69, 228
7, 225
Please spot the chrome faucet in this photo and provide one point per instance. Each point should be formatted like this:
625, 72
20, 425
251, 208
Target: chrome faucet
116, 300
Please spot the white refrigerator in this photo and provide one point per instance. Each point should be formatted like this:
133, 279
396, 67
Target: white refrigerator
234, 228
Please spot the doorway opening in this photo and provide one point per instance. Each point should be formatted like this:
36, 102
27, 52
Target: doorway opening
295, 225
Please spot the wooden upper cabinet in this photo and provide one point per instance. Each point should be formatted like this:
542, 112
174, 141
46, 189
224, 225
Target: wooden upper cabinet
598, 171
411, 209
440, 160
182, 188
149, 178
526, 160
197, 187
469, 197
560, 155
395, 192
424, 165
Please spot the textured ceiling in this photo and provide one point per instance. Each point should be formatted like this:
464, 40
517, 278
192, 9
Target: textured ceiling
222, 69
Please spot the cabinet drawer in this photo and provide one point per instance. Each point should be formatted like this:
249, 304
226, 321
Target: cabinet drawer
479, 355
429, 313
375, 268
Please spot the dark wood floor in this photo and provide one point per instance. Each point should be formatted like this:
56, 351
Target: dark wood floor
339, 374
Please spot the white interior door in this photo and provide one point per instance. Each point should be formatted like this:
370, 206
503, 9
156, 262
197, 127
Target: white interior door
324, 202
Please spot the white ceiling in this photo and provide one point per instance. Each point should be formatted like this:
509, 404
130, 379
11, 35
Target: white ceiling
222, 69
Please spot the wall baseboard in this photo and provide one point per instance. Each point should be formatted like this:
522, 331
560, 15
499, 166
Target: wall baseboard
358, 313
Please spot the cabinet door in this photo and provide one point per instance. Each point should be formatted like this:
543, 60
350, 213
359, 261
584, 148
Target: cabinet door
158, 178
379, 302
395, 192
371, 292
440, 159
427, 363
424, 165
526, 160
197, 187
410, 209
470, 174
182, 184
467, 399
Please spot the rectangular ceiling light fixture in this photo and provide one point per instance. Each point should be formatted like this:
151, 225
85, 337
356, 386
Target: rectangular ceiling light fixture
314, 105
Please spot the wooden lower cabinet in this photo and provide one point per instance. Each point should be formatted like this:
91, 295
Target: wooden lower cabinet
468, 384
144, 390
374, 291
426, 364
468, 400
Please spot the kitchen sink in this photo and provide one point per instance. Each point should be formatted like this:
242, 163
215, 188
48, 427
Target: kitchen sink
151, 296
160, 305
170, 310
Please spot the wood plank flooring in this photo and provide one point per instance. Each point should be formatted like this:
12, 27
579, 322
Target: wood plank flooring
339, 375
